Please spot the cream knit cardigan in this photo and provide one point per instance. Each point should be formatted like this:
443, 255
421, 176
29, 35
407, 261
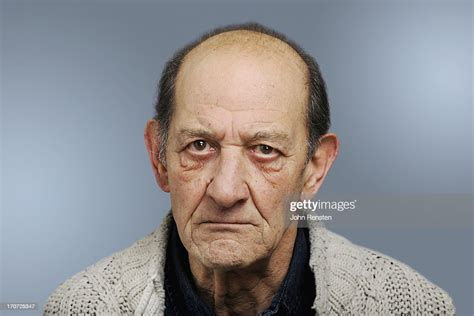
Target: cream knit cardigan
350, 280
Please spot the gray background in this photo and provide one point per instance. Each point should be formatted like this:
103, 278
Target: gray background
78, 84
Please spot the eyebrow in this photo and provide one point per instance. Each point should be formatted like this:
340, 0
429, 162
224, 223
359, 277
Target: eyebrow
185, 133
273, 136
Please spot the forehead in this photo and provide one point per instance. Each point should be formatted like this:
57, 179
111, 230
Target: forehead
241, 70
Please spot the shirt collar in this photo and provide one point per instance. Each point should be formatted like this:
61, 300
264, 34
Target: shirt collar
292, 293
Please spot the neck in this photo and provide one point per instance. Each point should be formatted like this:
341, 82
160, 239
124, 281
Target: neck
249, 290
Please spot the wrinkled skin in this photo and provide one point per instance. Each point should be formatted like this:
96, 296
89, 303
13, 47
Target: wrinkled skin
235, 158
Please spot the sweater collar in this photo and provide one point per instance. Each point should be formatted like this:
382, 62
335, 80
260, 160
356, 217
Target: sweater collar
152, 301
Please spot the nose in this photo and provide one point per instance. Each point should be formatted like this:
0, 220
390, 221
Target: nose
228, 187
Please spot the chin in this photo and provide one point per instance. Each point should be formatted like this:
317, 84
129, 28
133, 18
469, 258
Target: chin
227, 255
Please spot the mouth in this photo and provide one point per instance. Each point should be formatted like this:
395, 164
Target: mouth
225, 225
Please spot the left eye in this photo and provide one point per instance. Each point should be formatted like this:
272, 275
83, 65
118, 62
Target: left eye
265, 149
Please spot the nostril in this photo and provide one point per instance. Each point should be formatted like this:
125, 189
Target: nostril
233, 207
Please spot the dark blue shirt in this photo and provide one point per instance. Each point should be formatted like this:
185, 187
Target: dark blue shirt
294, 297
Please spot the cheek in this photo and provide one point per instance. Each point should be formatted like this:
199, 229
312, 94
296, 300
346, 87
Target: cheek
272, 191
186, 192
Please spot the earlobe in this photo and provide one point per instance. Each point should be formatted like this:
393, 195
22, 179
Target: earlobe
152, 143
319, 165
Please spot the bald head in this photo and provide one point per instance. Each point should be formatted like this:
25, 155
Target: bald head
245, 46
248, 43
243, 69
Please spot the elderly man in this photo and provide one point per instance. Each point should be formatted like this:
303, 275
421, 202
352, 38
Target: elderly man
241, 130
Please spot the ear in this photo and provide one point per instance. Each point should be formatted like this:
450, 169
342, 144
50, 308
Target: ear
152, 142
319, 165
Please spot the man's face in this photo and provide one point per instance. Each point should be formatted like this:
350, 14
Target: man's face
236, 151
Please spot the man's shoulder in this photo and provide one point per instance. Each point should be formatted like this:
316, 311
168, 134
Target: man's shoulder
113, 285
362, 280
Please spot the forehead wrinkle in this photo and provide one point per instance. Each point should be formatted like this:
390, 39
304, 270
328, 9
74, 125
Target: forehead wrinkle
248, 44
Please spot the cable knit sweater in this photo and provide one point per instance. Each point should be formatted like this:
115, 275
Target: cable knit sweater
350, 280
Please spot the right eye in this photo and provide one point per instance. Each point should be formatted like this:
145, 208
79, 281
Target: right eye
199, 146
